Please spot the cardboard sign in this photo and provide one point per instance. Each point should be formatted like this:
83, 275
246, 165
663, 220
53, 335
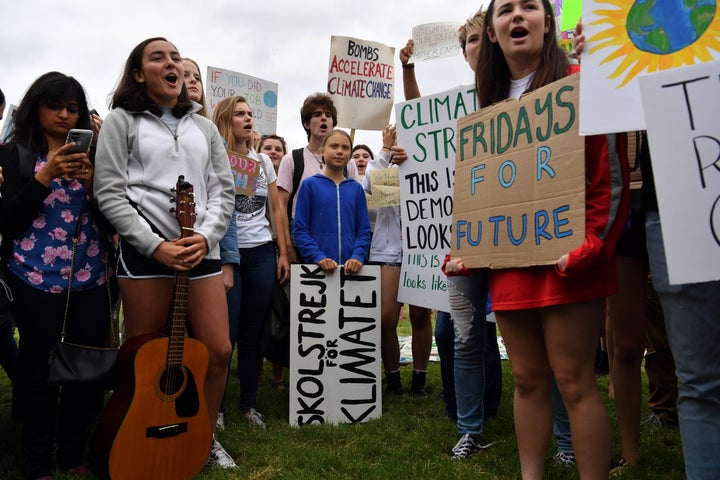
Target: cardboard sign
361, 82
435, 40
681, 108
261, 96
426, 130
385, 188
334, 346
245, 172
520, 180
626, 39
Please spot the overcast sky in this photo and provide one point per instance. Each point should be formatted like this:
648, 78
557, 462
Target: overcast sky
283, 41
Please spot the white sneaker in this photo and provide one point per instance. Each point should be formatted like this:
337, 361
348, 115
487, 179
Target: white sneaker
220, 423
255, 418
219, 458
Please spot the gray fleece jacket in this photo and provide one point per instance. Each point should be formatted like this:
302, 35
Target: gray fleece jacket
139, 160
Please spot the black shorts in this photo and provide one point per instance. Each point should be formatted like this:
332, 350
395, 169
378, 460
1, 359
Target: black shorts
132, 264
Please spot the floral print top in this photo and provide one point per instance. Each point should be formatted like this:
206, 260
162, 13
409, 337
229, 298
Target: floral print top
41, 256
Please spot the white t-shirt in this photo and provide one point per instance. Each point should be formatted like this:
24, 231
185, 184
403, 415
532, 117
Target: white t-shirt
253, 227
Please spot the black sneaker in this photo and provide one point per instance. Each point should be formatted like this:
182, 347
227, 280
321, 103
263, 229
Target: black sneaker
467, 446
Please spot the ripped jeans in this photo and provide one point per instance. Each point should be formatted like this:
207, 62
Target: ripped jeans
468, 301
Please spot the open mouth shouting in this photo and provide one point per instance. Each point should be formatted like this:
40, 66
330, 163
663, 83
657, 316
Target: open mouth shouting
519, 33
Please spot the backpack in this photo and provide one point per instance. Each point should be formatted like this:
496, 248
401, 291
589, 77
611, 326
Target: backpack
299, 168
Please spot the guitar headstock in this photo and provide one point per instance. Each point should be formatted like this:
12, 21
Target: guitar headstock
184, 203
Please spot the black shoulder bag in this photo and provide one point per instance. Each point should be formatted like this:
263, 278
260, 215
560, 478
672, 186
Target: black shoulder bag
74, 364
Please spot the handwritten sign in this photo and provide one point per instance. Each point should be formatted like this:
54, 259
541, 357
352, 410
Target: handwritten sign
360, 82
426, 129
681, 109
435, 40
385, 188
245, 171
334, 346
520, 180
624, 40
261, 95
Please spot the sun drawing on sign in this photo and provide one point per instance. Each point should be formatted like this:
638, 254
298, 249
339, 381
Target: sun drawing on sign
652, 35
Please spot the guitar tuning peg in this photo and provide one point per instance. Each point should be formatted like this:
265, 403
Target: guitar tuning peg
172, 210
173, 190
192, 204
172, 199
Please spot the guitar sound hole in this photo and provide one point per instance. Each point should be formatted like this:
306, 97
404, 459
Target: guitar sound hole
172, 381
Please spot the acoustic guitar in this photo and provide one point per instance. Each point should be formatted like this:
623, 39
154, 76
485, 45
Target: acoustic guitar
156, 424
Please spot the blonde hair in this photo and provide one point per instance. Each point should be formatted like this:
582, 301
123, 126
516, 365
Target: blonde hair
223, 119
476, 21
203, 110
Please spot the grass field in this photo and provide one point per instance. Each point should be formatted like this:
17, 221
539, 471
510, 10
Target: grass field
412, 440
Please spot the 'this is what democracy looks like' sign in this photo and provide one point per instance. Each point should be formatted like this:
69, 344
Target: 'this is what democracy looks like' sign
520, 180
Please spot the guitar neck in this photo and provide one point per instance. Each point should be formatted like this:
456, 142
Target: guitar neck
178, 321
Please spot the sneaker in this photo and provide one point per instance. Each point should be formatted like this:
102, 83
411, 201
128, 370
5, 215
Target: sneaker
220, 423
467, 446
621, 466
255, 418
656, 420
219, 458
564, 458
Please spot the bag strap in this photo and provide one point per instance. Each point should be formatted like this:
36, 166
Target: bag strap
75, 240
298, 169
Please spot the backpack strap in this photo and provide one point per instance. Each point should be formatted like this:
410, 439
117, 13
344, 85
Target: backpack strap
298, 169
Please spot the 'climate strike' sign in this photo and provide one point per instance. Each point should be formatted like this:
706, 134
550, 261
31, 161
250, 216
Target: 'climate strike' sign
334, 346
426, 130
520, 180
360, 82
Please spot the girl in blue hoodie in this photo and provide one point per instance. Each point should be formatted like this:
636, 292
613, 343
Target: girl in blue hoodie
331, 216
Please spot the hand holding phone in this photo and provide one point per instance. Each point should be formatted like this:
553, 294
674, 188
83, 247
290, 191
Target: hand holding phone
81, 138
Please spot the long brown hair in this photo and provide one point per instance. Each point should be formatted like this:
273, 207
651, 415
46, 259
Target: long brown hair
132, 95
492, 76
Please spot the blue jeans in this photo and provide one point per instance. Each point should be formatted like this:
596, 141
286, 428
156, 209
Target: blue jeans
468, 300
445, 341
561, 421
248, 307
692, 320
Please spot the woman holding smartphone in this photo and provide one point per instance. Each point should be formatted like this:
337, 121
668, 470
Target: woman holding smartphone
46, 200
151, 136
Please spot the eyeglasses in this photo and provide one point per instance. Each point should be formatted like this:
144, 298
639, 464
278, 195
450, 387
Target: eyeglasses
72, 108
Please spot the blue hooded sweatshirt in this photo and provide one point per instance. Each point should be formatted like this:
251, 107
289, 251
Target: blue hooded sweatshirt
331, 221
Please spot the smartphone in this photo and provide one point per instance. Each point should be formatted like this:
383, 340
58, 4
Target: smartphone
82, 139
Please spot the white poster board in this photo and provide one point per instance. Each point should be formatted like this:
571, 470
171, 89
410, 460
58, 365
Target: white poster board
361, 77
261, 95
627, 39
426, 129
435, 40
681, 108
334, 346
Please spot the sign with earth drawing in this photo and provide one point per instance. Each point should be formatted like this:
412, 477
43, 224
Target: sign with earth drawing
261, 95
626, 39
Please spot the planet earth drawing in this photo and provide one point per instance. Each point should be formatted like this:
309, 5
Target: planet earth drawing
667, 26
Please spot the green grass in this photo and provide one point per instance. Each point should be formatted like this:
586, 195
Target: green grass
412, 440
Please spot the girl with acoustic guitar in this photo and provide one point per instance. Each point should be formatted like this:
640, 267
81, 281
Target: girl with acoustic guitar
151, 136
